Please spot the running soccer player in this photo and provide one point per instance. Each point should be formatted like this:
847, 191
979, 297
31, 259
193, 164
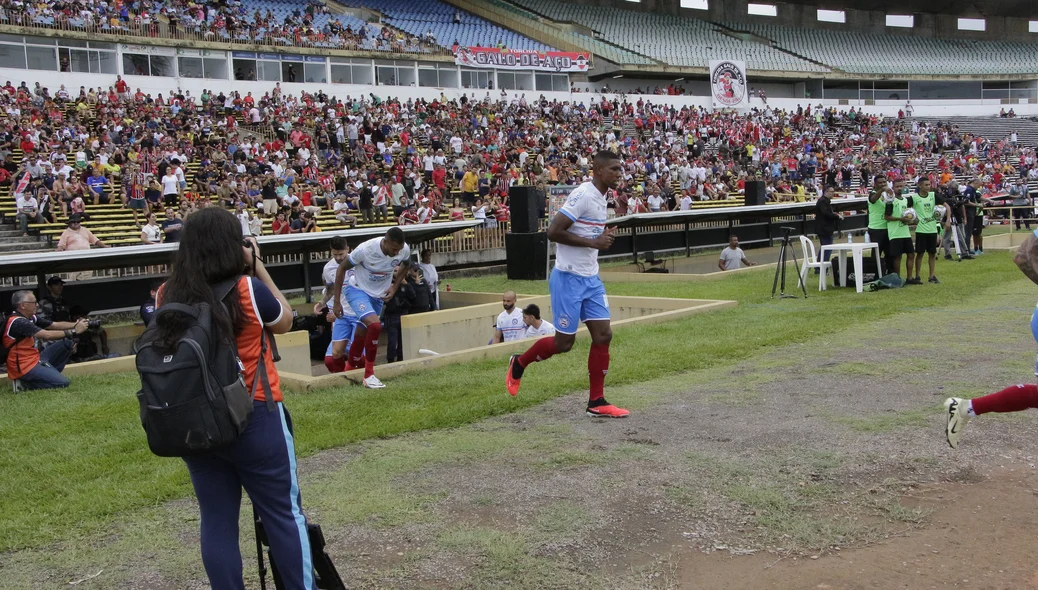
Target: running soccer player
577, 293
380, 265
342, 328
1015, 398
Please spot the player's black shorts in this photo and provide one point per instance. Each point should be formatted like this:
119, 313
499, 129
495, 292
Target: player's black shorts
899, 246
925, 243
978, 226
880, 237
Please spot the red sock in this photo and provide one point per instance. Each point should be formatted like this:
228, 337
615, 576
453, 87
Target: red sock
597, 367
1011, 399
541, 350
371, 348
356, 354
335, 365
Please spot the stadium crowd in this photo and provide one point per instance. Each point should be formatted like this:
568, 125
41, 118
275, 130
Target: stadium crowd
364, 159
216, 21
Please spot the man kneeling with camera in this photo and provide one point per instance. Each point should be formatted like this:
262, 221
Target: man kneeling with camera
25, 363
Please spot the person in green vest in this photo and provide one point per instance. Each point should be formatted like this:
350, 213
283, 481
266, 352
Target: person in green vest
879, 197
926, 231
899, 230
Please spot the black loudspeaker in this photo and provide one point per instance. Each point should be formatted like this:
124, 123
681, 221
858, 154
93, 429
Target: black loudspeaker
524, 203
755, 193
527, 256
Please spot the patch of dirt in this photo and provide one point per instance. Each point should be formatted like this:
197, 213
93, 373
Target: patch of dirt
979, 536
817, 466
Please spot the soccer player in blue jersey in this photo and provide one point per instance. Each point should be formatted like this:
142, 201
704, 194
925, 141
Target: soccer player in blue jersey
577, 293
379, 265
342, 328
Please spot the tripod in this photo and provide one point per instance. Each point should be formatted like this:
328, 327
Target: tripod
780, 269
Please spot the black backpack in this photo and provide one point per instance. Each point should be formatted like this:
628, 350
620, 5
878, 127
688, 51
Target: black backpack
193, 398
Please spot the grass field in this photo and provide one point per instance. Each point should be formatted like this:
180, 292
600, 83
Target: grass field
76, 461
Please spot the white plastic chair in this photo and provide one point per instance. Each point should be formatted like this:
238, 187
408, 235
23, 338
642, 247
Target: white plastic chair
811, 261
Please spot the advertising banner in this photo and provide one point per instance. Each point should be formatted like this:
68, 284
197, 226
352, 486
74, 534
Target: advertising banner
507, 59
728, 88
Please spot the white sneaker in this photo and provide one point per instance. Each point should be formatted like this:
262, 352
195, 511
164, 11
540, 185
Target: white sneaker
373, 383
958, 417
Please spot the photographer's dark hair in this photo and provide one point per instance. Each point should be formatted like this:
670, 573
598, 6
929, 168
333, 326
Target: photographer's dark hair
338, 243
210, 251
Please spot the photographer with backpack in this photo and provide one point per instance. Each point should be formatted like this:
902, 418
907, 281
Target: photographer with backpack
211, 328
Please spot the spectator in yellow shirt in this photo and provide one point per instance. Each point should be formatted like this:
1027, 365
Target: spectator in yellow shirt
469, 186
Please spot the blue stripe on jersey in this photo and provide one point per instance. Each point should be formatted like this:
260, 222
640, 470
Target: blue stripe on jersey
566, 213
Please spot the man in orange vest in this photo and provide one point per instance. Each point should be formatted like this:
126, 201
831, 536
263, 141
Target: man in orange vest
24, 362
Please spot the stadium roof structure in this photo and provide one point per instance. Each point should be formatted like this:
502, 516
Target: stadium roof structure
37, 263
966, 8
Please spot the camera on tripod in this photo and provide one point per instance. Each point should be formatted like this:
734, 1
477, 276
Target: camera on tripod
786, 250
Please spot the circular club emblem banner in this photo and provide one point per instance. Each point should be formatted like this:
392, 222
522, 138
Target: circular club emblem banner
728, 83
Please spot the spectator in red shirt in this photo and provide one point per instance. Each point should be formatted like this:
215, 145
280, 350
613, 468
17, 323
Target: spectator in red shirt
280, 225
439, 177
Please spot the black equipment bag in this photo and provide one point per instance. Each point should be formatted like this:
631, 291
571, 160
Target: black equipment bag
193, 397
326, 576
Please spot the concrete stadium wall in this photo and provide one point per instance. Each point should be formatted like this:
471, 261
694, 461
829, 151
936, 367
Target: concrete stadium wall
888, 108
153, 85
658, 310
294, 348
460, 334
452, 330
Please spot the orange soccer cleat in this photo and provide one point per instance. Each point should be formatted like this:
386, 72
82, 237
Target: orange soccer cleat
511, 381
607, 411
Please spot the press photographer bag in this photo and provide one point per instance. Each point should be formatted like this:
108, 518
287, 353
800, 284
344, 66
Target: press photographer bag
1026, 257
193, 398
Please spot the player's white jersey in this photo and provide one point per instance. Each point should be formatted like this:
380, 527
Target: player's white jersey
512, 325
373, 269
587, 208
546, 329
328, 275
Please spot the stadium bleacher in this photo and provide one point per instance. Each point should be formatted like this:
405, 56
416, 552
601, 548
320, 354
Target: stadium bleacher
676, 40
420, 18
284, 22
863, 53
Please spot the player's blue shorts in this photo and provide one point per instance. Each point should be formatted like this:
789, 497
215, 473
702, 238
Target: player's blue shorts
1034, 332
363, 304
576, 299
342, 329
